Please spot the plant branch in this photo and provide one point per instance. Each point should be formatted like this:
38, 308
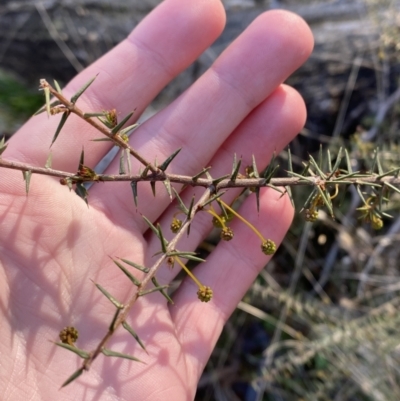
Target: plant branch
360, 179
152, 272
100, 127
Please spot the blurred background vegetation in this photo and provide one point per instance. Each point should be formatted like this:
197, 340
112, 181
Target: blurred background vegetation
320, 322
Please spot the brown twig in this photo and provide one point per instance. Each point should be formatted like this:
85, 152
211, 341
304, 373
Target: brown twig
207, 182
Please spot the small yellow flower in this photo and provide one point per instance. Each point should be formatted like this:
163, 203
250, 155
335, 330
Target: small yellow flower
111, 118
175, 225
205, 294
376, 222
68, 335
311, 214
268, 247
226, 234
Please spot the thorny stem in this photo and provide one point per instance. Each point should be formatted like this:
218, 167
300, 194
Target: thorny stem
125, 311
206, 182
103, 129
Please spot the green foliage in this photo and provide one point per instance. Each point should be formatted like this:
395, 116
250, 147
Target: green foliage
17, 102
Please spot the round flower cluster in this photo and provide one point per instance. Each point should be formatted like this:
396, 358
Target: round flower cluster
205, 294
68, 335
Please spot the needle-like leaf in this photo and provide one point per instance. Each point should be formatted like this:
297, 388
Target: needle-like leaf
310, 197
317, 168
390, 172
116, 314
81, 90
3, 146
150, 224
167, 162
182, 206
361, 194
327, 201
378, 163
128, 129
154, 289
289, 192
257, 193
270, 170
81, 159
145, 171
392, 187
133, 334
304, 172
99, 114
186, 255
212, 198
198, 175
134, 191
216, 181
108, 352
190, 213
320, 159
82, 192
337, 163
223, 209
153, 187
290, 164
64, 117
122, 123
254, 166
164, 242
27, 178
348, 161
328, 155
354, 174
167, 185
58, 88
128, 274
102, 140
116, 303
135, 265
235, 168
128, 160
44, 108
159, 288
80, 352
74, 376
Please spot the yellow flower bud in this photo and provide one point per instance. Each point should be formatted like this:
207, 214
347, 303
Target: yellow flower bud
226, 234
268, 247
68, 335
205, 294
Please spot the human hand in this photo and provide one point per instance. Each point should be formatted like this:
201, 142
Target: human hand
52, 244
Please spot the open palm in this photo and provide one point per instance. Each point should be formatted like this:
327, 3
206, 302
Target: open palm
52, 244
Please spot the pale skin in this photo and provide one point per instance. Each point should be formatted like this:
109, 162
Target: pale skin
52, 244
